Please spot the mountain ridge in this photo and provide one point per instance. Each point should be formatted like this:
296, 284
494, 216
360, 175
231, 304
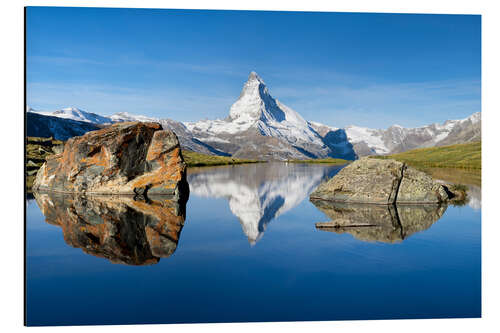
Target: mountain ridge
261, 127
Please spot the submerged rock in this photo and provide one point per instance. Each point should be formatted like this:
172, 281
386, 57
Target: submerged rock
124, 158
381, 223
118, 228
378, 181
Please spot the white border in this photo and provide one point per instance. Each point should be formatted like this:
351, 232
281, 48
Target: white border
12, 54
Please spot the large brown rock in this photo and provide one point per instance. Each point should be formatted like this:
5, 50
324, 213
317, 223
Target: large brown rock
380, 181
117, 228
125, 158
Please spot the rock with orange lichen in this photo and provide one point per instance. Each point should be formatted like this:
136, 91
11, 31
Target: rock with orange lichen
124, 158
117, 228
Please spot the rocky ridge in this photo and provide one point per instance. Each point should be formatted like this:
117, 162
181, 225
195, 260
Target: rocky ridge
44, 126
261, 127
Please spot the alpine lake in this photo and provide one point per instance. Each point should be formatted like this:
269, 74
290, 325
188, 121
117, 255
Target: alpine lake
245, 248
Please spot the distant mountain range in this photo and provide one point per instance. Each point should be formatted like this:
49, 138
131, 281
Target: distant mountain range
55, 127
261, 127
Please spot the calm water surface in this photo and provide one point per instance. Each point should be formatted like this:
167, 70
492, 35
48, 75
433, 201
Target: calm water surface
248, 250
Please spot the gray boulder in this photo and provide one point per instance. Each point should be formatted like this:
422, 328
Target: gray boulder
418, 187
377, 181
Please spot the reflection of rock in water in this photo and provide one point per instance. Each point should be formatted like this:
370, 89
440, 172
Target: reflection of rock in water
259, 193
382, 223
117, 228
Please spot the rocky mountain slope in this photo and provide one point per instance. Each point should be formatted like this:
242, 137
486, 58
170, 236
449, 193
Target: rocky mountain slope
186, 137
261, 127
38, 125
74, 114
396, 139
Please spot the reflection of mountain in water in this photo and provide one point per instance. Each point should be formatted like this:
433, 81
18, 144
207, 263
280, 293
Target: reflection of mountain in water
119, 229
382, 223
259, 193
474, 197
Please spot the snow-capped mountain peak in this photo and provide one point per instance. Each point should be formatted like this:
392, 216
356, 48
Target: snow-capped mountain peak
75, 114
125, 116
252, 100
258, 112
473, 118
254, 76
256, 103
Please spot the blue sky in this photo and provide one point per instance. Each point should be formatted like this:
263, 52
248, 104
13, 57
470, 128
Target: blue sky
370, 70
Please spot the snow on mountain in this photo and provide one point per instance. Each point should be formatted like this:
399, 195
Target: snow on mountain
321, 129
258, 194
186, 138
125, 116
398, 139
256, 108
40, 125
475, 118
371, 137
255, 103
75, 114
261, 127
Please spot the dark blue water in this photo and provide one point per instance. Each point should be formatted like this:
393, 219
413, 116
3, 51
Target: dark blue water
249, 251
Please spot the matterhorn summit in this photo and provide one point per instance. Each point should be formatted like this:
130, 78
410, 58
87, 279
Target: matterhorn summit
252, 99
263, 122
255, 103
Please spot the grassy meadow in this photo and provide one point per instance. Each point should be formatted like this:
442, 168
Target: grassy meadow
459, 164
337, 161
462, 156
194, 159
37, 149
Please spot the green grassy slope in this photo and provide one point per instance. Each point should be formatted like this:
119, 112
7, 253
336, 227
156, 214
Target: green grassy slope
338, 161
194, 159
462, 156
37, 150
